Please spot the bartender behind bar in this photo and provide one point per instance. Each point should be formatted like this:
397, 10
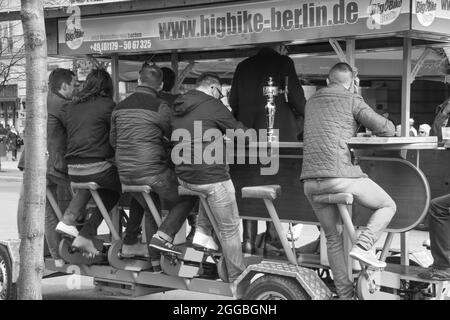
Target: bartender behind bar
248, 105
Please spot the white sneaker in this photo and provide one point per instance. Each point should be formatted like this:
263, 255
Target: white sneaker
367, 257
59, 263
69, 230
296, 231
203, 240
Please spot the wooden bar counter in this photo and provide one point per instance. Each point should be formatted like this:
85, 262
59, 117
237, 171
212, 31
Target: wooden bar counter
381, 158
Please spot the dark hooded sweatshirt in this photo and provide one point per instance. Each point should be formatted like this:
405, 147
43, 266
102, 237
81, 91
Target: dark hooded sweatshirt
198, 106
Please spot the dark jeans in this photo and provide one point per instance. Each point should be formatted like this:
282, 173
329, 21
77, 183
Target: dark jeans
440, 232
137, 212
109, 191
164, 185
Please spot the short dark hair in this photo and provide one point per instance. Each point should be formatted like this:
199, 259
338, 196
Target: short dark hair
341, 67
168, 78
98, 84
151, 75
59, 76
207, 79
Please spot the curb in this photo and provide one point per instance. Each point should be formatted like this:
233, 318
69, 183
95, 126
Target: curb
9, 178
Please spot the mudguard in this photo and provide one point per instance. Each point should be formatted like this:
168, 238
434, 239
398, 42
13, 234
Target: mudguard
307, 278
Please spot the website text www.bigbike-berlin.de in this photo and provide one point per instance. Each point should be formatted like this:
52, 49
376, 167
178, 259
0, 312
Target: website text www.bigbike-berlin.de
220, 25
239, 147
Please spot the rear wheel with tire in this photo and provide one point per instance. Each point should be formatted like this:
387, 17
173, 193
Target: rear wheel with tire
273, 287
7, 288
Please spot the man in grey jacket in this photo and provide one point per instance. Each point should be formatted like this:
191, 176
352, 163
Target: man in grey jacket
332, 116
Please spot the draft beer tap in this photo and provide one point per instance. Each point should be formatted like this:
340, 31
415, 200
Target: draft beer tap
270, 91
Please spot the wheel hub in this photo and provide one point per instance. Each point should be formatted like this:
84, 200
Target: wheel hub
271, 295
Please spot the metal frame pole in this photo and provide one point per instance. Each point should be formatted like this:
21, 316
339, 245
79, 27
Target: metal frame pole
350, 52
174, 64
406, 86
115, 76
405, 115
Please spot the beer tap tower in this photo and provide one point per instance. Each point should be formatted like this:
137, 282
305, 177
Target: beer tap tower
270, 91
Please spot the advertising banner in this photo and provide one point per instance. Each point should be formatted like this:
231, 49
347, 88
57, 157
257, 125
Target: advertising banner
221, 26
431, 16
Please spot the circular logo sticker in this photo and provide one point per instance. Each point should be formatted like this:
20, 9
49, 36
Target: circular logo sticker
384, 12
426, 11
74, 37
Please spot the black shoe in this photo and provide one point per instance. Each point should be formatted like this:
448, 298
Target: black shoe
248, 247
163, 245
272, 250
156, 266
190, 235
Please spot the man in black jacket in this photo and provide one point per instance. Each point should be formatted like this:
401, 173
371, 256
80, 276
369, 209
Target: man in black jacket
248, 104
197, 112
139, 126
61, 84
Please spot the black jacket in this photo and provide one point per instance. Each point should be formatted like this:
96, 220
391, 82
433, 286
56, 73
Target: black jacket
198, 106
56, 135
248, 102
138, 125
87, 125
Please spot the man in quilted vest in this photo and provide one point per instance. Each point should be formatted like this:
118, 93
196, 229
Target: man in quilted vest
332, 116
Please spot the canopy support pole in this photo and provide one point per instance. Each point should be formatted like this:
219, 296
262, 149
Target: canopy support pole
337, 48
350, 52
406, 86
405, 115
184, 74
174, 64
115, 76
419, 63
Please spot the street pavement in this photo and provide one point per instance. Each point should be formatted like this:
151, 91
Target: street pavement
57, 288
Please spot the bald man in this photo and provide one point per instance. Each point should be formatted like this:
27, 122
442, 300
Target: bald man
332, 116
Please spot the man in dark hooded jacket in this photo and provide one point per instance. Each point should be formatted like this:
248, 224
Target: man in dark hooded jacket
197, 114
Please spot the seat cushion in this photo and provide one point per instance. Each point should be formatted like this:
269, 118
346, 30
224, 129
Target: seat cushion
269, 192
84, 185
142, 188
333, 198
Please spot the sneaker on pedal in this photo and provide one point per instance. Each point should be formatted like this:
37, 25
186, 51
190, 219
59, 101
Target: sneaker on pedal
202, 240
158, 243
367, 257
66, 229
59, 263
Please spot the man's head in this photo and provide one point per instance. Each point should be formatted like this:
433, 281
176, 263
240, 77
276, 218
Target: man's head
8, 126
343, 74
151, 76
62, 81
168, 79
209, 83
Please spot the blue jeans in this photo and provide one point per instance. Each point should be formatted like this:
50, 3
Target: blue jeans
439, 221
368, 194
222, 201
